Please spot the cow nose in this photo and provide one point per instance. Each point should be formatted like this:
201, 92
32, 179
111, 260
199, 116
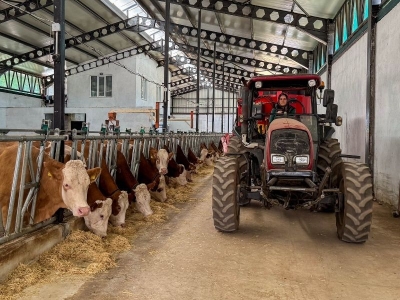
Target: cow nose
147, 214
83, 211
123, 225
163, 171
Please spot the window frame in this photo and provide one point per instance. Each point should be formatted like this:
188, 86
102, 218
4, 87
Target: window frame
105, 76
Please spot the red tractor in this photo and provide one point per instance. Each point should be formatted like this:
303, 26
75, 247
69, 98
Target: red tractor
293, 161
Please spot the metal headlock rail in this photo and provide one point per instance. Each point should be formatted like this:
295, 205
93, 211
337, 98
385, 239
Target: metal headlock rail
98, 142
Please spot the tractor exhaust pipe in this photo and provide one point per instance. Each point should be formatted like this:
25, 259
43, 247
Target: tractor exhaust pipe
244, 118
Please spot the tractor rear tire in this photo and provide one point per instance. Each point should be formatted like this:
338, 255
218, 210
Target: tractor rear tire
225, 206
235, 146
328, 151
354, 213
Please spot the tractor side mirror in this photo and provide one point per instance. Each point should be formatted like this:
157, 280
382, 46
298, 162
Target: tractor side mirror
331, 113
329, 97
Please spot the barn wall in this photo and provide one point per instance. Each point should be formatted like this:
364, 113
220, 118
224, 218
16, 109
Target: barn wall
188, 102
349, 77
126, 93
387, 125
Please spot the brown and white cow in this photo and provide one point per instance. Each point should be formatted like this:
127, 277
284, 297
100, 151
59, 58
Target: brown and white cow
166, 165
61, 185
148, 174
183, 160
120, 198
100, 211
138, 192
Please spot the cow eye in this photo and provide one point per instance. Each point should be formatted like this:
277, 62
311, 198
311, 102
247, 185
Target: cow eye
66, 185
158, 161
101, 217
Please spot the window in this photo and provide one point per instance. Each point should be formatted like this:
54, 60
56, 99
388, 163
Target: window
144, 89
159, 98
101, 86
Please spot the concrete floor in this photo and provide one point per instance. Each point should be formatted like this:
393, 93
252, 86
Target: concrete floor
276, 254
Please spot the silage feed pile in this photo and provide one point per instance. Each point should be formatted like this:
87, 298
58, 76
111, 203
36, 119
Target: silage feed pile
86, 254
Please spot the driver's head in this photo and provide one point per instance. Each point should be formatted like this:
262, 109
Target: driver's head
283, 99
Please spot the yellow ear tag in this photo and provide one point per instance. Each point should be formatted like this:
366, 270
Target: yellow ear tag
92, 177
49, 174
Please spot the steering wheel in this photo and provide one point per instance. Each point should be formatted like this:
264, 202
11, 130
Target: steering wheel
297, 101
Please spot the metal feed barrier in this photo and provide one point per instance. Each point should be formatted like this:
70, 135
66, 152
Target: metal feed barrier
97, 142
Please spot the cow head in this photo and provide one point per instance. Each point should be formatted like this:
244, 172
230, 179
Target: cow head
97, 220
181, 179
123, 203
74, 180
143, 200
163, 157
203, 154
160, 194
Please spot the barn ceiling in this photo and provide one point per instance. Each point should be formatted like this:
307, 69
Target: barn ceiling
251, 36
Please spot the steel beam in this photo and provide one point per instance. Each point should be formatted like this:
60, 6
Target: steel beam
131, 23
47, 34
22, 9
30, 46
313, 25
88, 9
298, 55
73, 26
192, 88
193, 79
206, 65
104, 61
228, 58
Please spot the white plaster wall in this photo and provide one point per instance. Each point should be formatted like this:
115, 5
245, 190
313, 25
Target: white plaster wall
349, 77
126, 94
387, 124
18, 111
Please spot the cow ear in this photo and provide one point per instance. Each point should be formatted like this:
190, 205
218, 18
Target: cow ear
94, 174
170, 155
94, 206
53, 169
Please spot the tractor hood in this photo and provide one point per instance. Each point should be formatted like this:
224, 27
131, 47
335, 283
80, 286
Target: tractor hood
289, 146
286, 123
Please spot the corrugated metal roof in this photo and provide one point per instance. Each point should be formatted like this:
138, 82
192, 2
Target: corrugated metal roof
85, 15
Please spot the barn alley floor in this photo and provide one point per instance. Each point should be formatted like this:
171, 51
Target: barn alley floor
276, 254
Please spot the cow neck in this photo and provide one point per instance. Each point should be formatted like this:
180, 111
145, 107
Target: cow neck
115, 194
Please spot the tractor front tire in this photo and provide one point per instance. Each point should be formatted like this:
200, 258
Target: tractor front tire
327, 157
354, 211
226, 210
236, 146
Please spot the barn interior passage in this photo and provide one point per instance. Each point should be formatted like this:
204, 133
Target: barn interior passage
111, 109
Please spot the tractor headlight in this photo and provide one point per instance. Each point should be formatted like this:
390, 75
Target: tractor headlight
258, 84
312, 83
277, 159
302, 159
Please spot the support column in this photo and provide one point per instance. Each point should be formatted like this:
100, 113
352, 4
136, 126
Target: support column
198, 71
59, 68
229, 99
208, 103
213, 83
370, 100
166, 64
223, 90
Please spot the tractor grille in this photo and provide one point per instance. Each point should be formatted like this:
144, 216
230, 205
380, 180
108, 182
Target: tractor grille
290, 141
